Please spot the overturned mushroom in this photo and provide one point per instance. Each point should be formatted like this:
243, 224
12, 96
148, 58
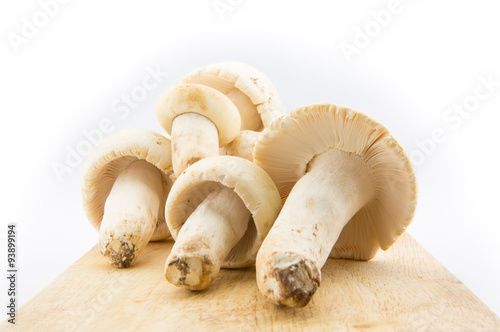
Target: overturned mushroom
349, 190
219, 211
124, 190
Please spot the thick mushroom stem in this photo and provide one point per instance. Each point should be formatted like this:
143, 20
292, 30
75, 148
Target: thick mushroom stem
320, 204
130, 213
205, 240
194, 137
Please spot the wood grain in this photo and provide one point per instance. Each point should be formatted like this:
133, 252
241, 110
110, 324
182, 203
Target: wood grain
403, 289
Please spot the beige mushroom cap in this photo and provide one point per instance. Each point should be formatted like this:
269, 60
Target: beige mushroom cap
250, 90
110, 157
242, 146
203, 100
285, 149
254, 187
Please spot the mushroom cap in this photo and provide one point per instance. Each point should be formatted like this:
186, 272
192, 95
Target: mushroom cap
246, 86
285, 148
203, 100
110, 157
254, 187
242, 146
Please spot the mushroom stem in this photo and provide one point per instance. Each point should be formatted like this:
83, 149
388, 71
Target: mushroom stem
205, 240
130, 213
320, 204
194, 137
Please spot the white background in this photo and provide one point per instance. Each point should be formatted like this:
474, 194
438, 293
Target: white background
72, 73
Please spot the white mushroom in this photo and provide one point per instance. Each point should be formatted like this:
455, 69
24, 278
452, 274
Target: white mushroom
242, 146
219, 211
349, 190
199, 120
124, 190
248, 88
211, 106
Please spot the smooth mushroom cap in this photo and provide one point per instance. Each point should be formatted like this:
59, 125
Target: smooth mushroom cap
254, 187
110, 157
285, 149
256, 89
242, 146
203, 100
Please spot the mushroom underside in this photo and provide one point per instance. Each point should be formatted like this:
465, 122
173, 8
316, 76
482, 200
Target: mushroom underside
96, 195
286, 148
250, 119
187, 203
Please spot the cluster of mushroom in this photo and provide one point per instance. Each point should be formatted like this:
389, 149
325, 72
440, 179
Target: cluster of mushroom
239, 183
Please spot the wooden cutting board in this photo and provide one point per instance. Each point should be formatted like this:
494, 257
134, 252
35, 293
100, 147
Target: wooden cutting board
402, 289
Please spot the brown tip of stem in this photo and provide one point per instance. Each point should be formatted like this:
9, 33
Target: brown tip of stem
194, 273
297, 282
120, 253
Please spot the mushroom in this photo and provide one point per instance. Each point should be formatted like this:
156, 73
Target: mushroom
242, 146
249, 89
211, 106
124, 190
198, 119
349, 190
218, 211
